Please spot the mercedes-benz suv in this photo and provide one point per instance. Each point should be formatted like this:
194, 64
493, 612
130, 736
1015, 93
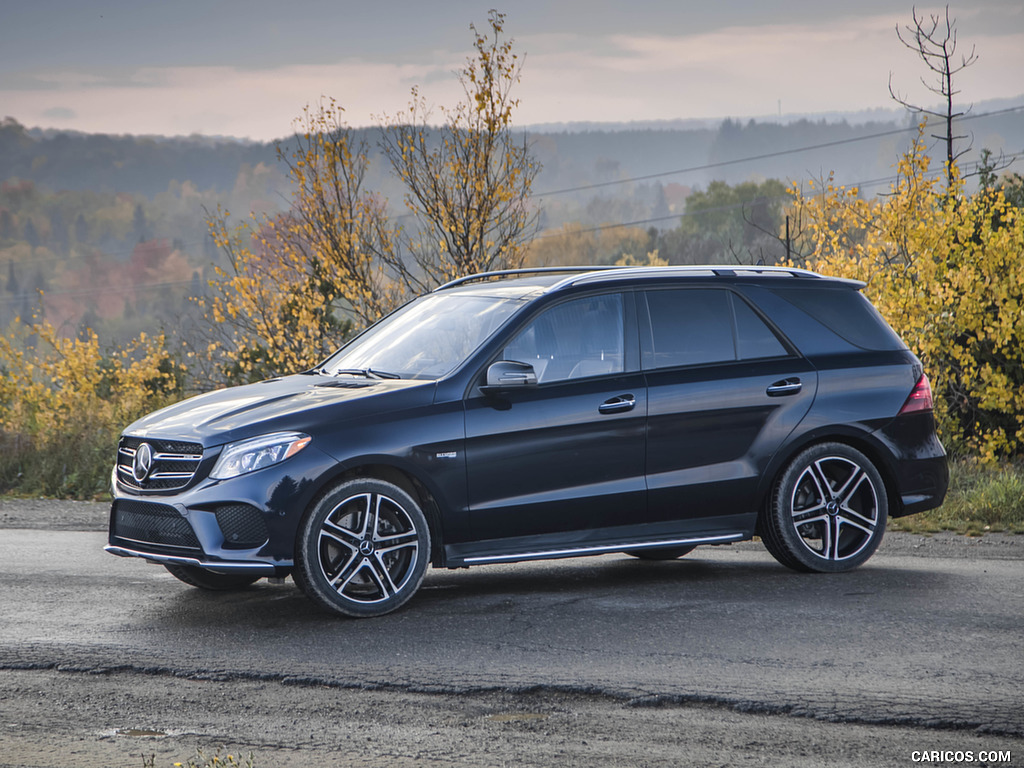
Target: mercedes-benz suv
533, 414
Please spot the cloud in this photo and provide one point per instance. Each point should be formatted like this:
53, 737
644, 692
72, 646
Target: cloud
843, 64
738, 71
59, 113
231, 101
64, 80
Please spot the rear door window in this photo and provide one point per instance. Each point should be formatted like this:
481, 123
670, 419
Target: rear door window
754, 339
700, 326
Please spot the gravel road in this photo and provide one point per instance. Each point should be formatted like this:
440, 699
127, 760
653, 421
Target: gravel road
83, 685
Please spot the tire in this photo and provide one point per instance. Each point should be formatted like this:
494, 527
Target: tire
363, 549
211, 580
661, 553
827, 512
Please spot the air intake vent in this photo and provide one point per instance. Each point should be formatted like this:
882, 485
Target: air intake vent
243, 526
345, 384
148, 523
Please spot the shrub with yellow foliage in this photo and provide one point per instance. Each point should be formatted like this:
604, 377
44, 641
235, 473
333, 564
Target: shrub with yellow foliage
946, 269
574, 246
64, 401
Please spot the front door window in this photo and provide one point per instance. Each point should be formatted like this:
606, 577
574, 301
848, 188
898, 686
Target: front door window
574, 340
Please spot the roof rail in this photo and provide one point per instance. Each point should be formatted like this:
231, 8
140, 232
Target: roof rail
589, 273
497, 274
761, 269
709, 270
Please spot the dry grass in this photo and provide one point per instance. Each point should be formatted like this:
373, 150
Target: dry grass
982, 498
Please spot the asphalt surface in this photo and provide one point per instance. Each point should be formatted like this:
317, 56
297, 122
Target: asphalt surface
721, 658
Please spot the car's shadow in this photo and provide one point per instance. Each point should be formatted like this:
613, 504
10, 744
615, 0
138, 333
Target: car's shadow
540, 587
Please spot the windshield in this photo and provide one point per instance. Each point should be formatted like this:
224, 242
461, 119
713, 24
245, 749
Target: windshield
425, 339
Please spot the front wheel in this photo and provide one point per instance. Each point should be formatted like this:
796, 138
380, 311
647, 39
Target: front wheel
363, 549
828, 510
211, 580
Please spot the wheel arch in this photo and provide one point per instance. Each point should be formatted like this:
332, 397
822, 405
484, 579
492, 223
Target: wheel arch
404, 479
861, 441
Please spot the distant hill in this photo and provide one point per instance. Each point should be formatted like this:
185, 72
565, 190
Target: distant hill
113, 228
122, 164
857, 147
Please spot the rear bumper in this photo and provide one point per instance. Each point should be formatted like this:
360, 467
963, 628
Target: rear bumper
923, 486
920, 469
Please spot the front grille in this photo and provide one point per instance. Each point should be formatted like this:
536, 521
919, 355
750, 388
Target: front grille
143, 521
174, 463
243, 526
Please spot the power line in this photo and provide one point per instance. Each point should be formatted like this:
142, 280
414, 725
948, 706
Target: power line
733, 206
543, 235
692, 169
540, 236
765, 156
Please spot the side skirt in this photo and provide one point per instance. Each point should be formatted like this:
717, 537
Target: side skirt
603, 549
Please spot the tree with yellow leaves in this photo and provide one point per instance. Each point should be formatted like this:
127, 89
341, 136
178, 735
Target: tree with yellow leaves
298, 284
467, 181
947, 272
64, 400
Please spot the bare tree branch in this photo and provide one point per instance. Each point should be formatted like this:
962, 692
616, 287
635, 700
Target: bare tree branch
934, 40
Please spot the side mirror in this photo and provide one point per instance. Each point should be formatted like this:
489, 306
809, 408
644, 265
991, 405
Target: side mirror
509, 374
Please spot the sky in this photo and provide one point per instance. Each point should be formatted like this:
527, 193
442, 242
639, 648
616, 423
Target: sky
247, 69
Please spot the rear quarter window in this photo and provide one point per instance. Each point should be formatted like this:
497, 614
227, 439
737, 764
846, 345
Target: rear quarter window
845, 312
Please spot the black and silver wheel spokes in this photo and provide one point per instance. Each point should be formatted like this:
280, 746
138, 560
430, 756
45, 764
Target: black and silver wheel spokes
367, 546
835, 508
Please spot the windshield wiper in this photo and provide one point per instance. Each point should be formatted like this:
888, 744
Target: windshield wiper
369, 373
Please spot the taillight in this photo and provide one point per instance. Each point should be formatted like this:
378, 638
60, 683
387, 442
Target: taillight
920, 399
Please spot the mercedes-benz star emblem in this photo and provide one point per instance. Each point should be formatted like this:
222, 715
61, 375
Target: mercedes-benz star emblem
143, 462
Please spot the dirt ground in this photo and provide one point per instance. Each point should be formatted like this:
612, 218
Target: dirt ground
62, 719
76, 716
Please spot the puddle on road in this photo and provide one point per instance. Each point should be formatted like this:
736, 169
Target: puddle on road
134, 732
138, 732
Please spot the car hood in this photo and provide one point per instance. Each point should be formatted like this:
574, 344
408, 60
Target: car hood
301, 403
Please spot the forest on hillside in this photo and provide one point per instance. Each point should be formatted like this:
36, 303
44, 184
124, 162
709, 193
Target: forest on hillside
113, 229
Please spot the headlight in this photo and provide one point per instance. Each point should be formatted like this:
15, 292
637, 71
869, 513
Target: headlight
259, 452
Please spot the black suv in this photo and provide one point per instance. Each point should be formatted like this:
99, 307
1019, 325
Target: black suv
537, 414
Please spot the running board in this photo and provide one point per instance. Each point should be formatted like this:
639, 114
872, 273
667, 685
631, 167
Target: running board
603, 549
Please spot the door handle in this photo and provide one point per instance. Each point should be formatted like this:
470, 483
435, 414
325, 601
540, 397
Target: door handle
617, 404
784, 387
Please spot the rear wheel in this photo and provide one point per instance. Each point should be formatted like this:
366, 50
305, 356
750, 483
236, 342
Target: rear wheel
363, 549
828, 511
661, 553
204, 579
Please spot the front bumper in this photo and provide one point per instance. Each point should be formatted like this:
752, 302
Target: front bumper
221, 566
246, 524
